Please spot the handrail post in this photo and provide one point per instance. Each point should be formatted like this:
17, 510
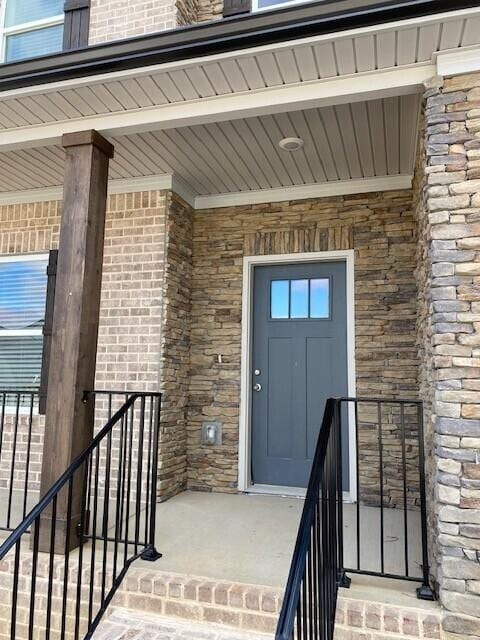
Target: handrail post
425, 592
151, 554
342, 579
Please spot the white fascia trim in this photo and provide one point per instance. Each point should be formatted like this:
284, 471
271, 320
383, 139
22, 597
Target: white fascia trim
279, 99
185, 64
123, 185
456, 62
338, 188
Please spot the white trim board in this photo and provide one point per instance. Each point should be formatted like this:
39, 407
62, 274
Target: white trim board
176, 184
303, 192
124, 185
456, 62
244, 444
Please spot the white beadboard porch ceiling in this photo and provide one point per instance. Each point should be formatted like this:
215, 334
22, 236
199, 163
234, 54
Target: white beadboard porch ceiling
344, 142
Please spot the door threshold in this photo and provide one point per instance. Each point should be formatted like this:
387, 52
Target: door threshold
274, 490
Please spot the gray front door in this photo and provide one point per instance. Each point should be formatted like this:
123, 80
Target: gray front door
299, 360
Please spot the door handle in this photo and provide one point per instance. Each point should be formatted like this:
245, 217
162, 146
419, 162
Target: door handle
257, 387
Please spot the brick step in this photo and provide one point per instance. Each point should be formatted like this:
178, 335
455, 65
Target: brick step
255, 609
125, 624
240, 606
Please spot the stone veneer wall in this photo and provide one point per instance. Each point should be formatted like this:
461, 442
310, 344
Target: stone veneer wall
381, 229
175, 346
450, 281
130, 313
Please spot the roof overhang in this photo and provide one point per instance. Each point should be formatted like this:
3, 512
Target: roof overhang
160, 115
230, 34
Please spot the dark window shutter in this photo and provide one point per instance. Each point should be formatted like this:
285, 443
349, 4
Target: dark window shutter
77, 21
47, 329
236, 7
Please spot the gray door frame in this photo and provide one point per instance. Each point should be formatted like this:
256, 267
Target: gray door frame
244, 450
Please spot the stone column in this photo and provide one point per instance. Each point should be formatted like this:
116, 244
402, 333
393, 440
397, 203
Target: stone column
451, 238
175, 347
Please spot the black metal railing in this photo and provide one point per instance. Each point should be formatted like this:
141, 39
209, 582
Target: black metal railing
96, 520
309, 604
347, 527
20, 455
21, 448
386, 523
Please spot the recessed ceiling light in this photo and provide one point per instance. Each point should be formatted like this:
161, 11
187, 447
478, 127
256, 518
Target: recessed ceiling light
291, 144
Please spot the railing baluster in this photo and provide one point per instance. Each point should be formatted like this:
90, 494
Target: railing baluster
2, 420
404, 475
81, 537
67, 558
357, 474
93, 537
148, 481
139, 473
118, 522
424, 592
16, 567
12, 463
51, 565
27, 460
31, 615
106, 504
380, 465
129, 479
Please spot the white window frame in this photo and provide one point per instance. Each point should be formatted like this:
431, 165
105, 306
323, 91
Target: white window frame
22, 257
25, 27
279, 5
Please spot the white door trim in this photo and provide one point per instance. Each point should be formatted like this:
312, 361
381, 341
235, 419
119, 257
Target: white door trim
244, 449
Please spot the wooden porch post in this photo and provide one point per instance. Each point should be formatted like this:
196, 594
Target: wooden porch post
69, 421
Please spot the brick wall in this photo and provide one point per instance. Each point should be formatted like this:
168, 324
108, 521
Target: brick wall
127, 18
451, 337
381, 229
130, 314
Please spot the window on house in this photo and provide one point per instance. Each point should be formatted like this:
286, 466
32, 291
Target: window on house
23, 290
300, 299
259, 5
31, 28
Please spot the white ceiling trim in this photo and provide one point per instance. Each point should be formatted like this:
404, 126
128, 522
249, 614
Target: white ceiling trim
191, 62
167, 181
123, 185
340, 188
455, 62
318, 93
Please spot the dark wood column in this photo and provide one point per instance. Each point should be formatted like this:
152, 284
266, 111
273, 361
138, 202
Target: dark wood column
69, 421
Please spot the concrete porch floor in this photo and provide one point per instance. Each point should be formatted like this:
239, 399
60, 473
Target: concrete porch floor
250, 538
217, 547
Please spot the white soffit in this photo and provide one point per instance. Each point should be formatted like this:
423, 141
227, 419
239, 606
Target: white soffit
359, 146
374, 50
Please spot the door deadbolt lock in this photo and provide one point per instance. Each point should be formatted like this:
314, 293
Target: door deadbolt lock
257, 387
257, 372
